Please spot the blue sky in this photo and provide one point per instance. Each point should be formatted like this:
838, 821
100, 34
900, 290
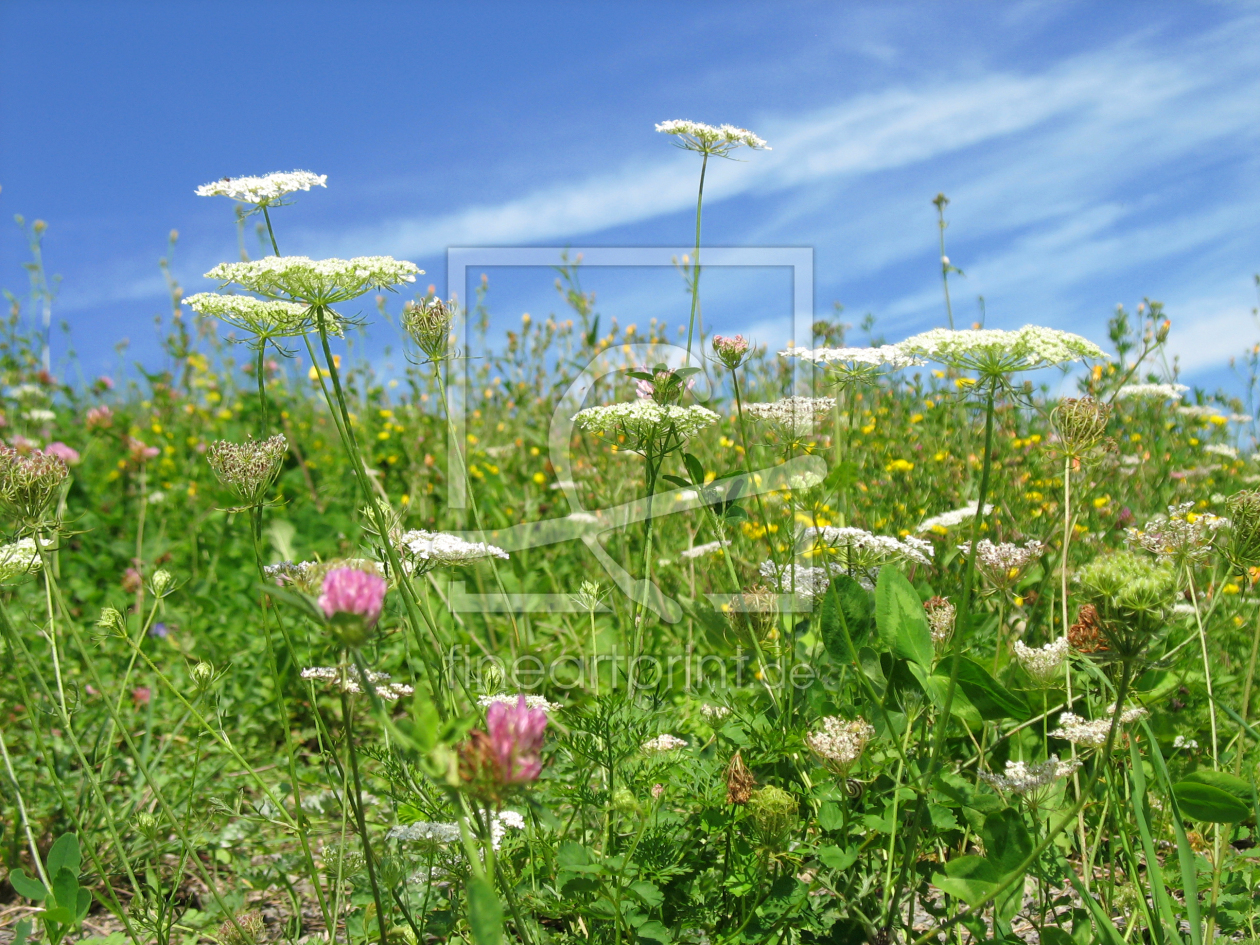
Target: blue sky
1094, 153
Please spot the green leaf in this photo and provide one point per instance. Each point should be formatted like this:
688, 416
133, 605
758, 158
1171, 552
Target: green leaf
846, 600
26, 886
969, 878
1204, 802
64, 854
830, 816
900, 619
648, 894
1008, 843
695, 468
84, 904
992, 700
841, 477
65, 893
836, 858
1053, 935
1224, 781
485, 915
22, 931
653, 931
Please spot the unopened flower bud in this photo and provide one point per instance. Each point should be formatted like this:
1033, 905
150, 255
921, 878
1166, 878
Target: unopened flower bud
428, 322
1242, 544
1081, 423
202, 676
161, 582
112, 620
248, 929
248, 469
730, 351
773, 812
147, 824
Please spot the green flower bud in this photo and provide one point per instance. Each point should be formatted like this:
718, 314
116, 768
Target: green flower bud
1132, 595
1081, 424
112, 621
1242, 545
773, 813
161, 582
202, 676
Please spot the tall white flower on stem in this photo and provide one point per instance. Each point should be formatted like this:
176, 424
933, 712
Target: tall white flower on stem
263, 318
645, 424
320, 282
793, 416
267, 190
858, 549
423, 551
992, 352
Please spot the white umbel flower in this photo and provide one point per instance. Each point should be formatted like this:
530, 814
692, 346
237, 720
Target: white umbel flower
663, 743
699, 551
423, 551
19, 558
263, 191
714, 713
1092, 733
443, 833
349, 681
316, 281
1023, 778
839, 742
805, 581
794, 415
266, 318
947, 520
1198, 411
858, 548
532, 701
993, 351
1151, 392
645, 421
1004, 563
722, 139
889, 355
1222, 449
1043, 663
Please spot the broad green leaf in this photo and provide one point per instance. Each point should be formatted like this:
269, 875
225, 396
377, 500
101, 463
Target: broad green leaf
969, 878
695, 468
85, 903
836, 858
485, 915
648, 894
900, 619
830, 816
992, 700
1224, 781
26, 886
64, 853
65, 893
22, 931
653, 931
1053, 935
1008, 843
846, 606
873, 669
1200, 801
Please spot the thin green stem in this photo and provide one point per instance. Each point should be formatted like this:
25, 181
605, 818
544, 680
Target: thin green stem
695, 263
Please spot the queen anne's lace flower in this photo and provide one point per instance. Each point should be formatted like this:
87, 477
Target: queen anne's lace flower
263, 191
21, 557
858, 548
1004, 564
890, 355
804, 581
1043, 663
697, 136
794, 415
1023, 778
440, 832
532, 701
1182, 536
645, 421
1151, 391
348, 681
1198, 411
699, 551
316, 281
663, 743
264, 318
840, 742
423, 551
993, 351
714, 713
1222, 449
1092, 733
946, 520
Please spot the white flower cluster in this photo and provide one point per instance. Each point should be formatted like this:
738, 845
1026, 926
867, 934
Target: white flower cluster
423, 551
262, 190
21, 557
663, 743
990, 349
699, 551
1182, 535
1222, 449
531, 701
1198, 411
840, 742
449, 833
1042, 663
795, 415
268, 318
322, 281
1003, 563
858, 548
806, 582
1092, 733
1022, 778
714, 713
644, 421
950, 519
1182, 742
349, 681
697, 136
1151, 391
890, 355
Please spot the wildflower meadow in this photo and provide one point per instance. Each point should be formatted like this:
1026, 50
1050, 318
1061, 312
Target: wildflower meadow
604, 634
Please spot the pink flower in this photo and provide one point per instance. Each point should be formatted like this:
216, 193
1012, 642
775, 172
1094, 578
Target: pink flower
105, 382
141, 695
516, 738
23, 445
141, 451
351, 591
66, 454
730, 351
100, 417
